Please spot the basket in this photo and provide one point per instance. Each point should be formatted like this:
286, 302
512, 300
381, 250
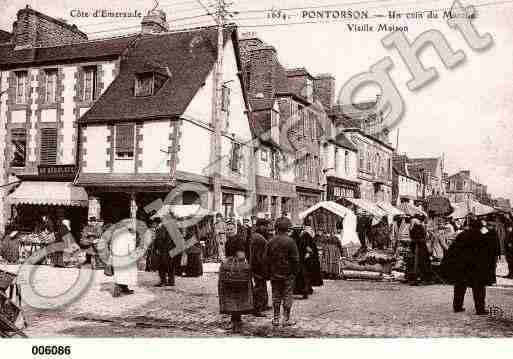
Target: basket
234, 270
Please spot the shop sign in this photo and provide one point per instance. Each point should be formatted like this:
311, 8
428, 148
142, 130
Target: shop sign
57, 171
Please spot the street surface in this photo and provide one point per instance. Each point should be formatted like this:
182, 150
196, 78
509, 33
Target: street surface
340, 308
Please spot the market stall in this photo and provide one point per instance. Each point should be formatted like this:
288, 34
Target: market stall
410, 210
335, 229
463, 209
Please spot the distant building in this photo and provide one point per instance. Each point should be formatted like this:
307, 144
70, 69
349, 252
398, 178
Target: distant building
460, 187
361, 124
430, 171
406, 187
503, 203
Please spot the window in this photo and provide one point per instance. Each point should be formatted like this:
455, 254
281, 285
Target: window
190, 197
125, 141
248, 80
18, 147
336, 160
369, 161
261, 203
346, 162
148, 83
48, 149
50, 85
89, 84
309, 89
362, 158
263, 155
275, 165
235, 160
21, 86
228, 207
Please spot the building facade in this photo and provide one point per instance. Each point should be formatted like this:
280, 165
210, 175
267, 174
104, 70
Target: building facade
461, 187
430, 170
152, 129
105, 127
50, 75
406, 187
301, 99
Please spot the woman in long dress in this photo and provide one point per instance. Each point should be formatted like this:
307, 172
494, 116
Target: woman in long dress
235, 294
124, 261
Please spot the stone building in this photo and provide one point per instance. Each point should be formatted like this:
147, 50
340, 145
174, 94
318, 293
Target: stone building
103, 127
301, 99
461, 187
50, 75
361, 124
430, 170
406, 187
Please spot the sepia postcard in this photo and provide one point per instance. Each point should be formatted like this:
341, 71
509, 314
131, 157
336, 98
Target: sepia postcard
294, 169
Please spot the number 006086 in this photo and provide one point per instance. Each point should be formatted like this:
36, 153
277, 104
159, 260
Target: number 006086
51, 350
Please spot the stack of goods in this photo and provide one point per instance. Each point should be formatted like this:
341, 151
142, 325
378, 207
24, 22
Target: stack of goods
31, 242
380, 261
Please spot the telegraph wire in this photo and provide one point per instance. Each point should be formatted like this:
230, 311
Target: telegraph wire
320, 21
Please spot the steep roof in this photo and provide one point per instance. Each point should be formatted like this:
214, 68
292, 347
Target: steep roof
187, 56
93, 49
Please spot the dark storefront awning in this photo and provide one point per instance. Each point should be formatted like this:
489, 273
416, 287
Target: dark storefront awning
49, 193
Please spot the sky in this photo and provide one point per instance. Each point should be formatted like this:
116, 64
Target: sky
465, 114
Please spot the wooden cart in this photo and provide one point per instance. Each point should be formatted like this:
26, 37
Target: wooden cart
11, 314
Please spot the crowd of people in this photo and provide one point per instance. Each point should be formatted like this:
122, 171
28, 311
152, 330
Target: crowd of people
274, 252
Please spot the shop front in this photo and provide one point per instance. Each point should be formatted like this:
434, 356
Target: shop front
49, 194
306, 198
274, 197
341, 188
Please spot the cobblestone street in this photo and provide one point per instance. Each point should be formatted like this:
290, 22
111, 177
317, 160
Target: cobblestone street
338, 309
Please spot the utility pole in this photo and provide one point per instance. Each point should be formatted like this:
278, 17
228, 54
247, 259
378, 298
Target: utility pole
217, 115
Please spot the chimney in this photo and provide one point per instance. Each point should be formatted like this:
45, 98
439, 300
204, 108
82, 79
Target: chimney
324, 89
154, 22
34, 29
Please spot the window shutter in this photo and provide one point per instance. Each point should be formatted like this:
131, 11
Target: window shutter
226, 99
48, 150
80, 87
124, 138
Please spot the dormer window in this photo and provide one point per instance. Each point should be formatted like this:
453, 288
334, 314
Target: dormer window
148, 83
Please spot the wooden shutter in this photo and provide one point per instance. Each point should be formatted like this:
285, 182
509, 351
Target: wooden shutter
226, 99
48, 149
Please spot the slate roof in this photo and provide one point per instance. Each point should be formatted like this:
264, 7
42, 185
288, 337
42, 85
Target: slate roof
189, 56
92, 49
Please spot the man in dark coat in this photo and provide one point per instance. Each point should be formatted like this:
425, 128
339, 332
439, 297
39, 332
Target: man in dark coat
165, 263
508, 249
257, 252
302, 283
470, 262
282, 261
422, 262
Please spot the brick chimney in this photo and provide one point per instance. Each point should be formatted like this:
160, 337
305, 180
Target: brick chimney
324, 89
34, 29
154, 22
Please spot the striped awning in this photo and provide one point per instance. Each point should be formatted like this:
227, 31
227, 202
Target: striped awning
49, 193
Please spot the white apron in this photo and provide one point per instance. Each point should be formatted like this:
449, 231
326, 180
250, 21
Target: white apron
125, 266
